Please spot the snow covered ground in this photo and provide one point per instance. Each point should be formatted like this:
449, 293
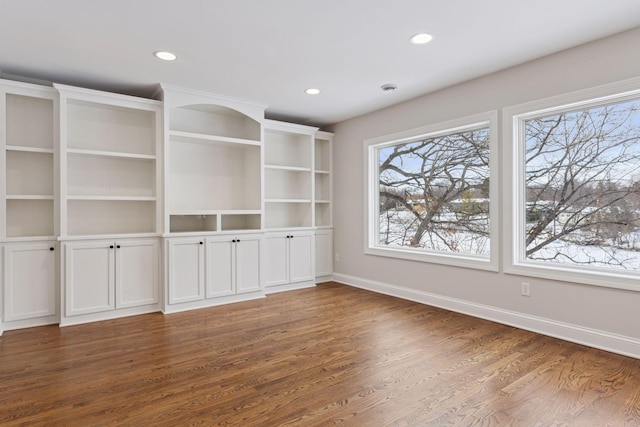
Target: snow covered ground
397, 228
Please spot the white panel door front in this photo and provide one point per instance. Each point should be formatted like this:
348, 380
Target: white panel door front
276, 262
324, 253
220, 267
186, 270
136, 273
29, 281
301, 257
248, 272
89, 277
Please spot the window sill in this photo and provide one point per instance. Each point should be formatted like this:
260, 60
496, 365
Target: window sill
455, 260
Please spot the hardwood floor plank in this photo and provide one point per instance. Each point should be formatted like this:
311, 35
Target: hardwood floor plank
314, 357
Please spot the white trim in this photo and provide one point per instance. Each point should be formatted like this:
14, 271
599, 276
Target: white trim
620, 344
513, 117
491, 263
268, 290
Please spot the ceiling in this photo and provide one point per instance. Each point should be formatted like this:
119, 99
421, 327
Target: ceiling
270, 51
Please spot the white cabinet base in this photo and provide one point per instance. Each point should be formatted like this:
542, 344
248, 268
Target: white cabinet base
30, 291
108, 279
205, 271
324, 255
290, 260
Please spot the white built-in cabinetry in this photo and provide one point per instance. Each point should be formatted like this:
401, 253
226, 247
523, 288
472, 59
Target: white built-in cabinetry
289, 205
323, 205
288, 170
290, 259
107, 276
29, 279
28, 202
170, 205
324, 254
202, 270
214, 204
110, 217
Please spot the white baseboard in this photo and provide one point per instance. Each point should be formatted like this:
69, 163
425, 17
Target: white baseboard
288, 287
602, 340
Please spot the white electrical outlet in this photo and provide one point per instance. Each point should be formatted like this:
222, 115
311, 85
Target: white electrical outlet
337, 257
526, 289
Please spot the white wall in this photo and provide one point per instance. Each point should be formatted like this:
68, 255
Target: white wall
602, 317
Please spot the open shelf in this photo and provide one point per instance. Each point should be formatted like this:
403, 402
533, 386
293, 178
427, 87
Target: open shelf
323, 214
29, 173
287, 214
192, 223
240, 222
204, 138
30, 217
97, 217
208, 222
287, 149
110, 176
215, 121
205, 177
322, 154
29, 122
323, 187
113, 154
109, 128
287, 184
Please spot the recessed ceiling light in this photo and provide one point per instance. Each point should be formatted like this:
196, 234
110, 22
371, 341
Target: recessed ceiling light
421, 38
165, 56
312, 91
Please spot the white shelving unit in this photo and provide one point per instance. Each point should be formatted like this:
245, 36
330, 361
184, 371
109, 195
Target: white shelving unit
288, 166
323, 179
213, 175
197, 191
28, 205
213, 201
109, 164
323, 205
110, 204
289, 205
29, 158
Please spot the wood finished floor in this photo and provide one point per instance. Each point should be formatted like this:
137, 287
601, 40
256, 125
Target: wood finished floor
315, 357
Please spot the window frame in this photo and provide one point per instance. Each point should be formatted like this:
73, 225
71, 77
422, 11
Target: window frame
372, 192
513, 120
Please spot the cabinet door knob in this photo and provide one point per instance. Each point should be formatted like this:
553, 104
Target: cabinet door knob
233, 241
51, 248
202, 243
238, 241
110, 246
118, 247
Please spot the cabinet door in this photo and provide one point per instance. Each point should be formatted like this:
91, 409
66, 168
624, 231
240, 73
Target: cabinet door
29, 281
301, 257
276, 264
220, 267
136, 273
89, 277
247, 269
186, 270
324, 253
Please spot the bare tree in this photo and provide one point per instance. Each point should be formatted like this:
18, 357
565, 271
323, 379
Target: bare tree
580, 169
427, 177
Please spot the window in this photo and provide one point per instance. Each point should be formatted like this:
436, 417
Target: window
577, 189
431, 196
